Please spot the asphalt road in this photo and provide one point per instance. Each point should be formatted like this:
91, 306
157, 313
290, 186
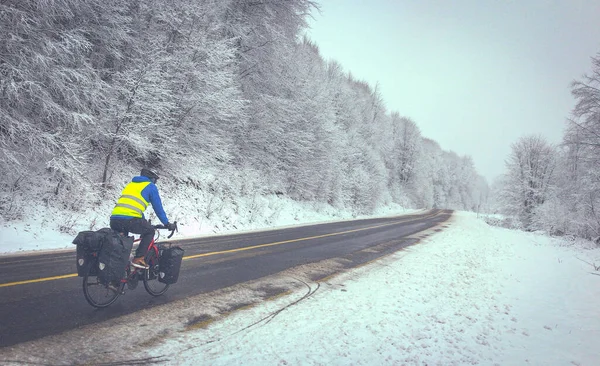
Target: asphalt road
40, 294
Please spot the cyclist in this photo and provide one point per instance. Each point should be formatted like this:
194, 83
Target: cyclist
128, 214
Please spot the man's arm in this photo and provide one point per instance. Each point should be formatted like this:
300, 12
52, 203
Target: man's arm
157, 203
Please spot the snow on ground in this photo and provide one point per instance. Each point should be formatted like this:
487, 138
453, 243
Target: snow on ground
472, 294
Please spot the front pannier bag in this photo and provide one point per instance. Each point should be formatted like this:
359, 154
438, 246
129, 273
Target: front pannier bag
169, 264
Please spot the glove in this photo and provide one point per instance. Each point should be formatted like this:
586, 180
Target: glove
171, 226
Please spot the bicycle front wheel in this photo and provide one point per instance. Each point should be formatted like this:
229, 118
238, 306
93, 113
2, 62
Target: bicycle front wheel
151, 283
97, 294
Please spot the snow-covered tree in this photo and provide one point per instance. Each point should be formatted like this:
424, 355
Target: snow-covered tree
530, 177
211, 91
50, 91
581, 188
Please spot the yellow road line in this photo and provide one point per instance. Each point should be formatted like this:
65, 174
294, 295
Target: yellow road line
38, 280
283, 242
222, 252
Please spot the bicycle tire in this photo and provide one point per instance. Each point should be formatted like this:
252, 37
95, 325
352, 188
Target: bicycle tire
151, 283
93, 289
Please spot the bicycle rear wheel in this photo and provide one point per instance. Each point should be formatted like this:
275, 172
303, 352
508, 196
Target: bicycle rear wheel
97, 294
151, 283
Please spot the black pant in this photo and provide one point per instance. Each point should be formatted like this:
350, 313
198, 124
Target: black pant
136, 226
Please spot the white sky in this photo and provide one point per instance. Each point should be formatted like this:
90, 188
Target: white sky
474, 75
472, 294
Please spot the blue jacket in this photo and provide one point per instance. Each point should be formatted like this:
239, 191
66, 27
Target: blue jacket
150, 194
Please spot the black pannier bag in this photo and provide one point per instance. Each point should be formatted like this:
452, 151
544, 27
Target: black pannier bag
113, 256
88, 245
169, 264
84, 259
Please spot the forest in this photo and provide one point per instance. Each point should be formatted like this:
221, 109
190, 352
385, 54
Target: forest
228, 99
556, 188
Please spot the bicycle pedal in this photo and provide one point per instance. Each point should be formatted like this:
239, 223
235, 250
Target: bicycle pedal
132, 283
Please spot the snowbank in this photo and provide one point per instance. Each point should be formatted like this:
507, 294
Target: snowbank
473, 294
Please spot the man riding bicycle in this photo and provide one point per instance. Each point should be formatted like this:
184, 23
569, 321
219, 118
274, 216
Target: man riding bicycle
128, 214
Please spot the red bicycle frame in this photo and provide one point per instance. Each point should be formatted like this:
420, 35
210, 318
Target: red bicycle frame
151, 246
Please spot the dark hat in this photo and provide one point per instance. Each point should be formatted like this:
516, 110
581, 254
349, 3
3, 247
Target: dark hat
150, 174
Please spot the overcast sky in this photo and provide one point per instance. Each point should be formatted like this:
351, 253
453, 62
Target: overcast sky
474, 75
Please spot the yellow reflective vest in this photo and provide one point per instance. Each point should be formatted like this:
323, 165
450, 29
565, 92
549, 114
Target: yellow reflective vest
131, 203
